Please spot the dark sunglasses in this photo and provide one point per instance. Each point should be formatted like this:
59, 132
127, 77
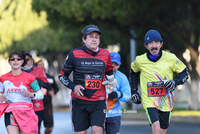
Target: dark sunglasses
13, 59
27, 59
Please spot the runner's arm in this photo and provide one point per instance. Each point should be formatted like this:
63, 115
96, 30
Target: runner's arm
43, 84
55, 86
125, 90
67, 68
109, 72
37, 95
134, 80
182, 77
64, 79
2, 96
1, 87
111, 81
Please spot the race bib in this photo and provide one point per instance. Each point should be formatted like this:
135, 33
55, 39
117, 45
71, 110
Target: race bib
13, 121
93, 81
156, 89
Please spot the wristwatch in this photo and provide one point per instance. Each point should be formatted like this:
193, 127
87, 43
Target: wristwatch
34, 95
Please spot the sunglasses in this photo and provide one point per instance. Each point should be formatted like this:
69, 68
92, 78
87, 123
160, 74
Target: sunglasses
13, 59
27, 59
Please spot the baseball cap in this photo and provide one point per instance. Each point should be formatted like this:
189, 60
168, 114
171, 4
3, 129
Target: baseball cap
29, 54
15, 52
115, 57
91, 29
37, 59
152, 35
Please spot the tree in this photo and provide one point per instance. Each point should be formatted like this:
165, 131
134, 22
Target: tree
179, 24
18, 20
22, 28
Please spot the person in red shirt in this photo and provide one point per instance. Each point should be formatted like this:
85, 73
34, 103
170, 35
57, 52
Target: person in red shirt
48, 107
17, 89
90, 65
41, 77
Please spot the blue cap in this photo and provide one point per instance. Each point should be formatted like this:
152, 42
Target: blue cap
91, 29
115, 57
152, 35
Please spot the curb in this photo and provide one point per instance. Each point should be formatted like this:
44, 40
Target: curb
142, 116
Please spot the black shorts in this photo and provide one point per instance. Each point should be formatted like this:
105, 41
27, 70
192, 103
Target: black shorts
112, 125
48, 117
154, 115
86, 115
40, 115
9, 119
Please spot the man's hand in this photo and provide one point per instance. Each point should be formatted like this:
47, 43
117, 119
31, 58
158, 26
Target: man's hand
170, 85
112, 82
113, 95
135, 97
78, 90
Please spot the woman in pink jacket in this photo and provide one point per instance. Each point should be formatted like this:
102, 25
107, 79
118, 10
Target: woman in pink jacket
17, 89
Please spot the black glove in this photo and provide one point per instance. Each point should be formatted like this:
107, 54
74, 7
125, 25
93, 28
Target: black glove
170, 85
113, 95
135, 97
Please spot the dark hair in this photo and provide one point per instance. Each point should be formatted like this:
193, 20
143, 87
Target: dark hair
22, 54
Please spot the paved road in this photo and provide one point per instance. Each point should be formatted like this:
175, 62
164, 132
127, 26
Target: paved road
129, 126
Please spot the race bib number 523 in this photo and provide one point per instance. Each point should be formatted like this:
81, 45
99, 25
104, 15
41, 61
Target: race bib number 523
156, 89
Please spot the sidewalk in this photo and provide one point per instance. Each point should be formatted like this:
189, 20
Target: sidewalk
134, 115
142, 116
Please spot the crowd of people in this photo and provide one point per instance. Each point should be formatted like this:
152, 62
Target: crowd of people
26, 95
97, 87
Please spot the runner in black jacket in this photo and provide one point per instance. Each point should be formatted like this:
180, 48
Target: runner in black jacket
48, 107
89, 64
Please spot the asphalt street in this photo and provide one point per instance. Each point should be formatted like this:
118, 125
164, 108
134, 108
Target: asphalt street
128, 126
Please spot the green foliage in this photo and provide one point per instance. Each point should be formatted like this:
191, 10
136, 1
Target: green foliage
175, 22
43, 40
17, 21
23, 28
169, 17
